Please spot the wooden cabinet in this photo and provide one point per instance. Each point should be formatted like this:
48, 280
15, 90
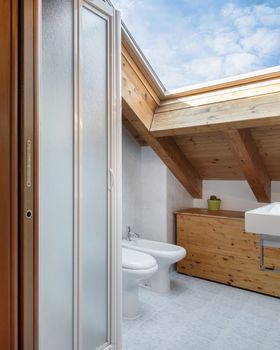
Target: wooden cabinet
218, 249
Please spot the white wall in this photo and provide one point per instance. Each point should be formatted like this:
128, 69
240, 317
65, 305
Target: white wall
162, 195
235, 195
131, 182
151, 193
177, 199
154, 196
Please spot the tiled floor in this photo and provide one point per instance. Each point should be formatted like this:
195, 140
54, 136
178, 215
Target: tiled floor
202, 315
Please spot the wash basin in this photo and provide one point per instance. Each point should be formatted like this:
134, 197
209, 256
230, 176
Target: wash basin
264, 220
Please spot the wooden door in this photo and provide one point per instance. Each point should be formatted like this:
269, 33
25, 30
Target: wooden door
8, 176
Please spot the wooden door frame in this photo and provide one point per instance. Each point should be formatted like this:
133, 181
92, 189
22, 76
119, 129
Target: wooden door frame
29, 175
9, 174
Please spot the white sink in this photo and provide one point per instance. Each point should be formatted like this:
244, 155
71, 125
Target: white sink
264, 220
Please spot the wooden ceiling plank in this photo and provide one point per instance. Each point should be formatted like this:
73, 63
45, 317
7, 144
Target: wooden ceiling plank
221, 95
134, 91
247, 112
247, 154
126, 56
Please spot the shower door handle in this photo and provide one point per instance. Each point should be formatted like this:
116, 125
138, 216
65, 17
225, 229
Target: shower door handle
112, 179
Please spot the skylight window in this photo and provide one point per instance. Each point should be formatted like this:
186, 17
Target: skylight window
189, 42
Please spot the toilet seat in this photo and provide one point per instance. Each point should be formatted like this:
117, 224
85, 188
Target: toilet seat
134, 260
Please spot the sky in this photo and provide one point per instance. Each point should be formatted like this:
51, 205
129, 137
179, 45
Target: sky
193, 41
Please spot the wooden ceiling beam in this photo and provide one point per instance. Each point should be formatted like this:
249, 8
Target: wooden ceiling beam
247, 154
179, 165
138, 106
168, 152
133, 131
136, 93
254, 111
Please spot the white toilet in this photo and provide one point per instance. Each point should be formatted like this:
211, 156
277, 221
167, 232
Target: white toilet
136, 266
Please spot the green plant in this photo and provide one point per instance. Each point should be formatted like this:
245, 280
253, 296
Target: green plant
214, 198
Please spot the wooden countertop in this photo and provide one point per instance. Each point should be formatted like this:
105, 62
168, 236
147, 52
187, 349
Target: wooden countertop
216, 213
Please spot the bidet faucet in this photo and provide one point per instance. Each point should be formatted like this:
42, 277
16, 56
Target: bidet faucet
131, 235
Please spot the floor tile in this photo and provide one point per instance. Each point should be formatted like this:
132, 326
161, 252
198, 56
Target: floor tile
203, 315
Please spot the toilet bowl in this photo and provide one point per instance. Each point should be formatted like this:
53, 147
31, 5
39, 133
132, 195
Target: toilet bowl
165, 254
136, 266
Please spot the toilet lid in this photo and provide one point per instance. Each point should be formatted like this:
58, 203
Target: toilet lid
132, 259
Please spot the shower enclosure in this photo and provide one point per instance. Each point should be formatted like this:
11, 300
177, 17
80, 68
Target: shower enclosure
71, 188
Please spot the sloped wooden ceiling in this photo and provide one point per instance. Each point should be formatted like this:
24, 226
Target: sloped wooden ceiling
228, 133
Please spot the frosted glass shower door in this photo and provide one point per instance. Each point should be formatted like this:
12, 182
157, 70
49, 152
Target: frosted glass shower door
93, 168
79, 99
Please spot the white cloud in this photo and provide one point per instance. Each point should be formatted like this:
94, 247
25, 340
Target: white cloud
263, 42
245, 24
210, 66
268, 16
126, 5
202, 44
223, 43
240, 63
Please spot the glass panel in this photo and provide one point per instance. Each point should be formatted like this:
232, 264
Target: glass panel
56, 177
93, 180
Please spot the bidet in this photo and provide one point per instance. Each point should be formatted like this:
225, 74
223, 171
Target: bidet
165, 254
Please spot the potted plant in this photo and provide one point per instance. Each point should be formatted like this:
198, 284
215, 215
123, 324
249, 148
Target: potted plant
214, 203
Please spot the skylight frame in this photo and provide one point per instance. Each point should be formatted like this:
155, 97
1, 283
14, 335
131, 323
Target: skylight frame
188, 90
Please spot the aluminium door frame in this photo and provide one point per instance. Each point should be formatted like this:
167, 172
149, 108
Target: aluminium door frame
114, 125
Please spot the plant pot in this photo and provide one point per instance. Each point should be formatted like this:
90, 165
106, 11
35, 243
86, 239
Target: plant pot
214, 204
